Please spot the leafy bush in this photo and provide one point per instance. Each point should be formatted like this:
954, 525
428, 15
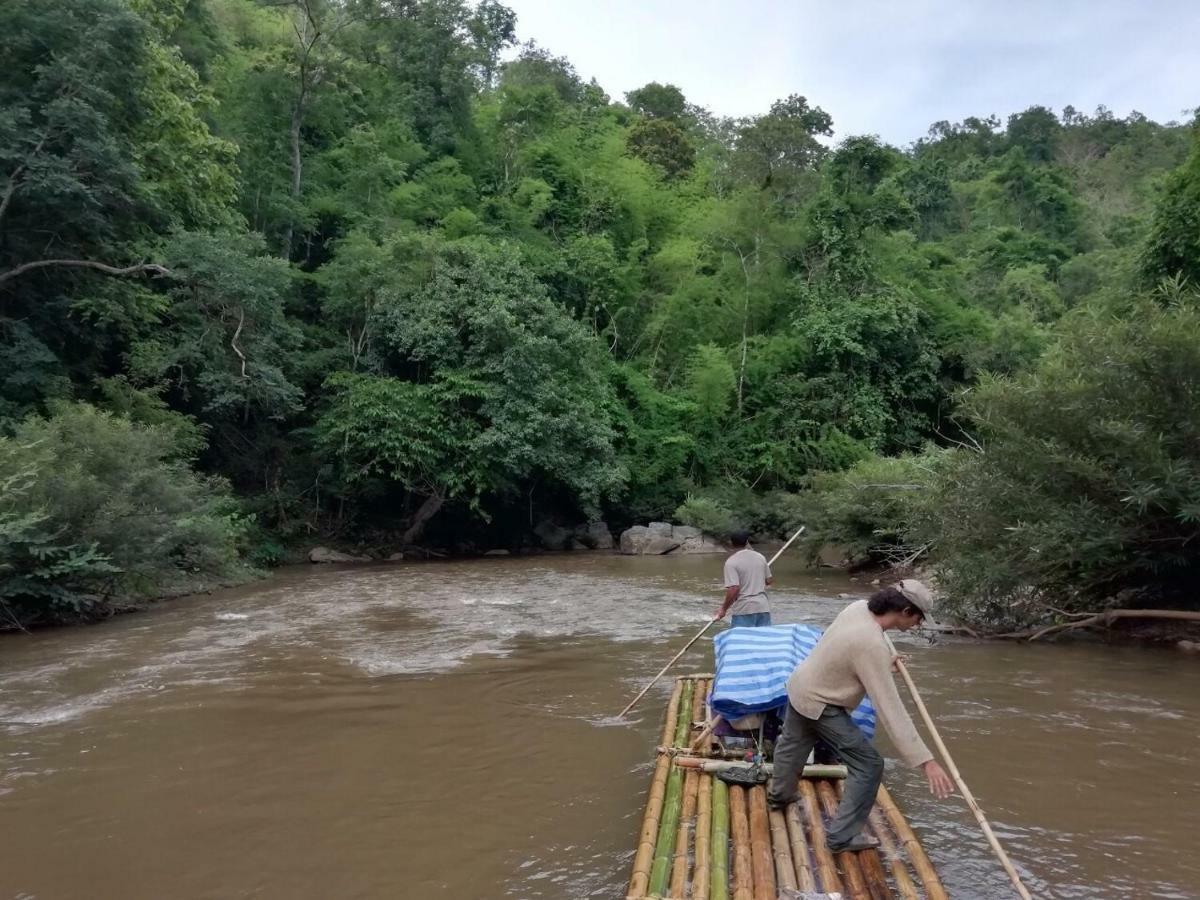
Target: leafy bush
1087, 489
869, 508
705, 514
97, 511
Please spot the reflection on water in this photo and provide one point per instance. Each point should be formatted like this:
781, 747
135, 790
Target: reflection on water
447, 730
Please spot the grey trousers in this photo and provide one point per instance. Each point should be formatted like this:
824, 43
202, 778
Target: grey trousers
863, 763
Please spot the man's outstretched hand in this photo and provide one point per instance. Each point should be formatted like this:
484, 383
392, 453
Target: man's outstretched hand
719, 614
940, 784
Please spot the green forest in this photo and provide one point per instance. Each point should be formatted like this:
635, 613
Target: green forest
368, 272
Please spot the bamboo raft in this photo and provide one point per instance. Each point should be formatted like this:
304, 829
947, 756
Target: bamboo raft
705, 840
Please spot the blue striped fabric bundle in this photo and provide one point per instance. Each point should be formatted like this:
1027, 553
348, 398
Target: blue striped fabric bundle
753, 665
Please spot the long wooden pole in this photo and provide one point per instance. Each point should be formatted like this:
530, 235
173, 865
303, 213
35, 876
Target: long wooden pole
958, 779
700, 633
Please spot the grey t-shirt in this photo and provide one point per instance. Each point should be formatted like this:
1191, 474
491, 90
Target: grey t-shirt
747, 570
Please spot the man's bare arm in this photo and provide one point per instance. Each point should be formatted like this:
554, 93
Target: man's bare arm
731, 595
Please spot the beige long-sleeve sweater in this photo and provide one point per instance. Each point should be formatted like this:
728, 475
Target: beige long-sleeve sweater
852, 659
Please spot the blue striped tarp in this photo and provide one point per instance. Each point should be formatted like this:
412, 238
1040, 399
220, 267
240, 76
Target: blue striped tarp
753, 665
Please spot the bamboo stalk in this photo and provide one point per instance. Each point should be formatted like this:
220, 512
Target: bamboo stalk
700, 873
872, 866
762, 862
856, 884
686, 752
813, 770
695, 675
718, 888
958, 779
699, 693
640, 880
683, 725
672, 714
904, 882
826, 870
805, 880
924, 868
679, 871
739, 825
785, 870
664, 845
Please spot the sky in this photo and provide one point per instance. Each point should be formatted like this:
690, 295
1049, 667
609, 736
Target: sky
885, 68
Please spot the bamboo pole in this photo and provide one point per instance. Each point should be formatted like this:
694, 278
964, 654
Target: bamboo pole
664, 845
739, 826
682, 725
958, 779
924, 868
812, 770
700, 633
699, 692
700, 873
762, 861
688, 753
640, 880
718, 888
872, 866
679, 872
668, 733
805, 879
785, 869
663, 671
856, 884
826, 870
904, 882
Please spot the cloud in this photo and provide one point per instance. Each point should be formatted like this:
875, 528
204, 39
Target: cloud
883, 67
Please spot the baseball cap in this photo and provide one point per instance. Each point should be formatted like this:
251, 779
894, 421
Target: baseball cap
917, 594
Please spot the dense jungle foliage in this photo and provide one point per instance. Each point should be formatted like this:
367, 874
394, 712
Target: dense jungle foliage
368, 271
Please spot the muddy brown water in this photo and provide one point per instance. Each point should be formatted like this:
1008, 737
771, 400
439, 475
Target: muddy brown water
446, 730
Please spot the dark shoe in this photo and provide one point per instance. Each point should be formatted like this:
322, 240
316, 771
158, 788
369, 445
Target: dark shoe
772, 803
856, 843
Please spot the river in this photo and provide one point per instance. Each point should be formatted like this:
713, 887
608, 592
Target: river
445, 730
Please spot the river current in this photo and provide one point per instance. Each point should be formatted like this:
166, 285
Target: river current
447, 730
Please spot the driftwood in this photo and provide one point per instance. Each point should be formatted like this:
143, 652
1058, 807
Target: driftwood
1103, 619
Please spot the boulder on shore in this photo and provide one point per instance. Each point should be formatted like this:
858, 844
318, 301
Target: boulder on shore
327, 555
642, 541
553, 536
497, 552
659, 538
593, 536
700, 543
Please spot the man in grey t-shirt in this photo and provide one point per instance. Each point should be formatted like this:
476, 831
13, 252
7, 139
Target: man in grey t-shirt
747, 575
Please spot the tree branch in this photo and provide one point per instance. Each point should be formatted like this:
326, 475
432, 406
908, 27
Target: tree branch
1105, 619
150, 268
233, 342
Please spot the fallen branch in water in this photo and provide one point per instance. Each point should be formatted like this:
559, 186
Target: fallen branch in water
1103, 619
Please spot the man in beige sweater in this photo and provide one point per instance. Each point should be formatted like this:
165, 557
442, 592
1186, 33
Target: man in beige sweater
851, 659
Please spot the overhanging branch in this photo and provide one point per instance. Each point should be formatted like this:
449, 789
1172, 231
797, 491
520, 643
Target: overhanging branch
140, 268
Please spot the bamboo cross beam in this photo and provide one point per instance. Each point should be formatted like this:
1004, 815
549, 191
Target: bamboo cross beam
709, 624
958, 779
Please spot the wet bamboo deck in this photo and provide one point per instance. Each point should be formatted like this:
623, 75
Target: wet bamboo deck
705, 840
